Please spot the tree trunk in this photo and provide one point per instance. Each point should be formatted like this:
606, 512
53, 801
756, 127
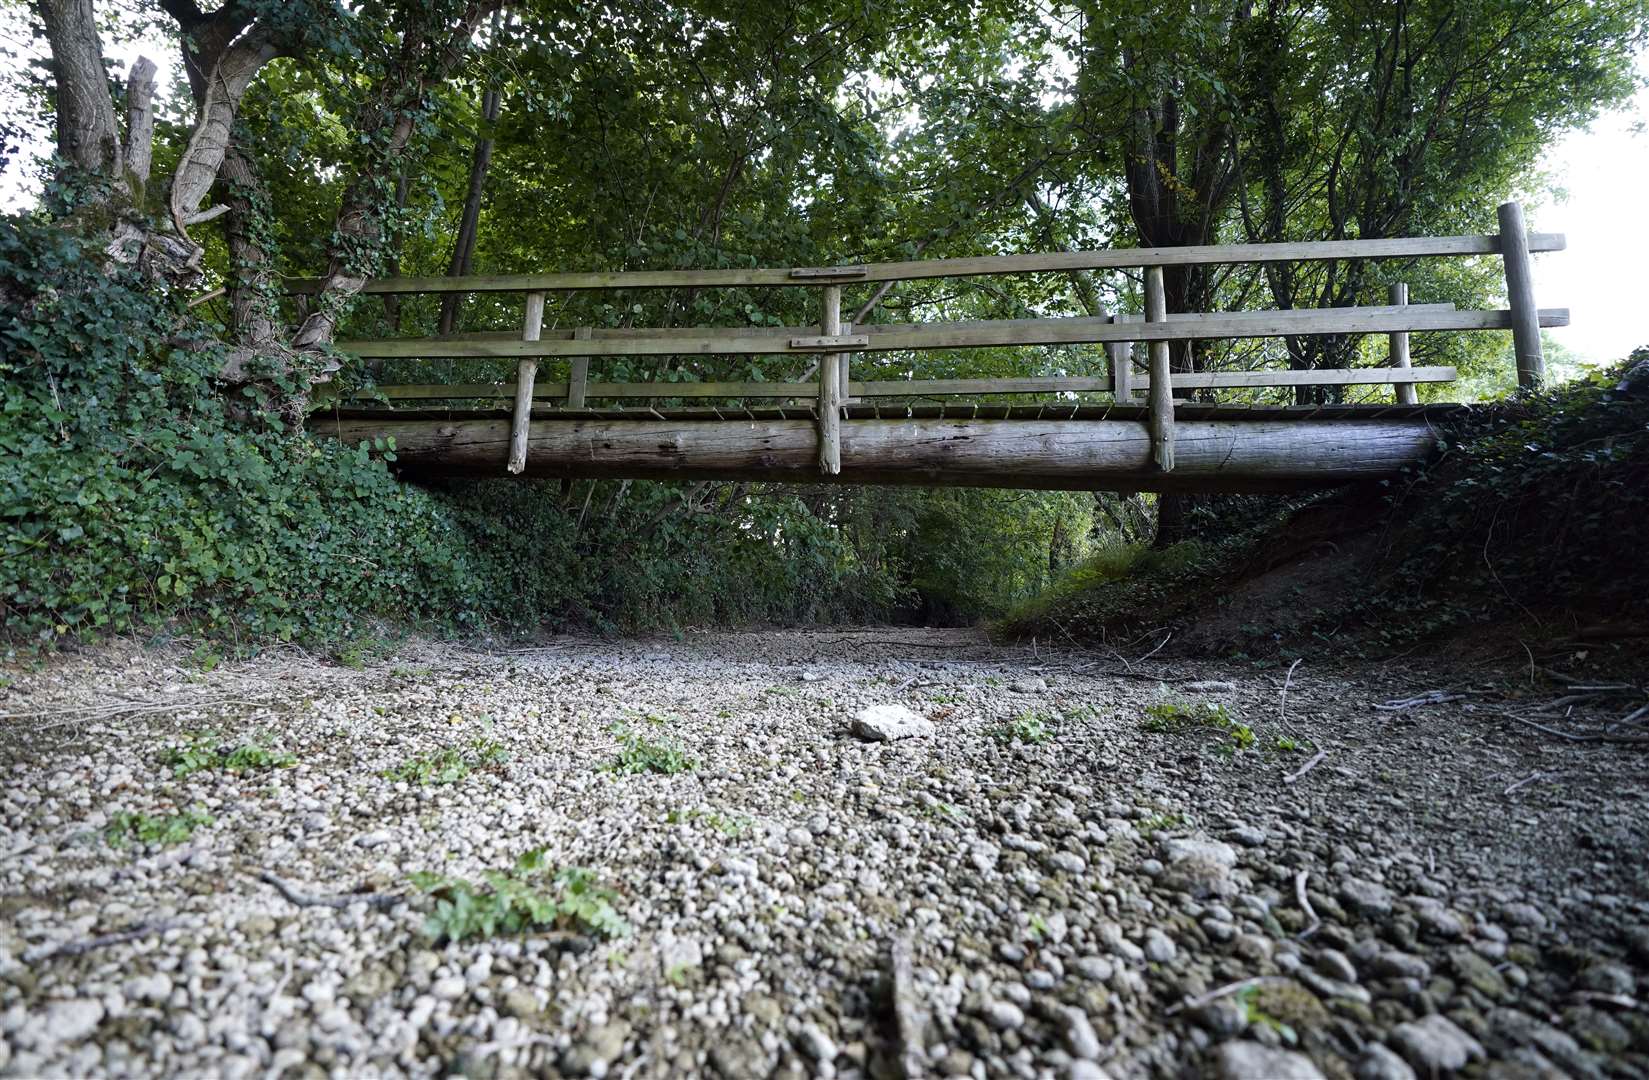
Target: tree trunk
464, 249
87, 137
254, 314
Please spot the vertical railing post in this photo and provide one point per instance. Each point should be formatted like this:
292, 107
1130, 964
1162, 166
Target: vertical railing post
830, 385
578, 373
526, 372
1397, 344
1122, 364
844, 362
1514, 253
1160, 398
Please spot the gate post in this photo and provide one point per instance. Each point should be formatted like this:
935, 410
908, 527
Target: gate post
830, 385
526, 372
1160, 397
1514, 253
1397, 346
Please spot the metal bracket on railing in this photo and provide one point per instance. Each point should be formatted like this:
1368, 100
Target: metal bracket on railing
829, 273
831, 342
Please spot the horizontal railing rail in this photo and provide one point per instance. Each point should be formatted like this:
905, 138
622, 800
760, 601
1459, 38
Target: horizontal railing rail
976, 266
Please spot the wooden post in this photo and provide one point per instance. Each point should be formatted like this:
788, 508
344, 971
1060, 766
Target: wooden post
1514, 253
1160, 397
1398, 347
830, 385
844, 363
1122, 369
578, 378
526, 372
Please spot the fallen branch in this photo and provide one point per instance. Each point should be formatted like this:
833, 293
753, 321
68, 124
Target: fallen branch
302, 899
1430, 697
86, 945
1316, 759
1282, 702
1305, 905
1540, 774
1222, 992
1591, 737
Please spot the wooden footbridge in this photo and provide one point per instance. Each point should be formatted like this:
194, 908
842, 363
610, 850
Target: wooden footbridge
1076, 432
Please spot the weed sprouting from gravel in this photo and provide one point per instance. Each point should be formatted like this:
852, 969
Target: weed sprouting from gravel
733, 827
450, 765
203, 752
162, 830
1031, 727
1174, 718
527, 898
639, 754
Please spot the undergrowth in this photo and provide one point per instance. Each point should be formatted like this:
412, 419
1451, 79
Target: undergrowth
154, 829
640, 754
1531, 511
203, 752
529, 897
448, 765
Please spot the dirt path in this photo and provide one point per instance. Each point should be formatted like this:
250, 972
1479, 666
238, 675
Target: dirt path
1081, 882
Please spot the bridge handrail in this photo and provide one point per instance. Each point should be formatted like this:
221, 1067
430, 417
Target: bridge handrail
973, 266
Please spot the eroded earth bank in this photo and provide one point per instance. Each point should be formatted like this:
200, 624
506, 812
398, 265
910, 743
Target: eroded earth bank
1089, 867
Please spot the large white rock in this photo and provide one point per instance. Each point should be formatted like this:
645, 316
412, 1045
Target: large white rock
885, 723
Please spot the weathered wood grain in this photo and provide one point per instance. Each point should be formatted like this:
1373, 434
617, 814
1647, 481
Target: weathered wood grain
1052, 262
1211, 455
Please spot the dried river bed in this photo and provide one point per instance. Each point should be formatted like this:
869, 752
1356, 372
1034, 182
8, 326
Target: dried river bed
1087, 869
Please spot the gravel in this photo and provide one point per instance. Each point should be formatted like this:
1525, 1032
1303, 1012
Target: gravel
1106, 902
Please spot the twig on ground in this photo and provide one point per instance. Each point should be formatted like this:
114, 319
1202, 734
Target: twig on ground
1632, 717
1222, 992
1282, 702
302, 899
1590, 736
1165, 640
86, 945
1316, 759
1430, 697
1305, 905
1624, 1001
1539, 774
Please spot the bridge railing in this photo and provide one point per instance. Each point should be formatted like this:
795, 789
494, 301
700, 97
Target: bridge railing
834, 341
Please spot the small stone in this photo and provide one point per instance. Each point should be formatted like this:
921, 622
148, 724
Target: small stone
1035, 685
1080, 1038
1243, 1060
1159, 947
1201, 868
1476, 972
1247, 836
1333, 963
886, 723
1366, 897
1435, 919
1068, 862
957, 1062
374, 839
1219, 931
1379, 1063
1004, 1015
593, 1054
1208, 686
450, 988
1392, 964
1096, 968
1434, 1044
1081, 1069
812, 1041
1608, 979
1522, 914
1222, 1017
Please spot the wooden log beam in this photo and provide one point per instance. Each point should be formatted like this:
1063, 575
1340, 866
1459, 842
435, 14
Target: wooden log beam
1211, 455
